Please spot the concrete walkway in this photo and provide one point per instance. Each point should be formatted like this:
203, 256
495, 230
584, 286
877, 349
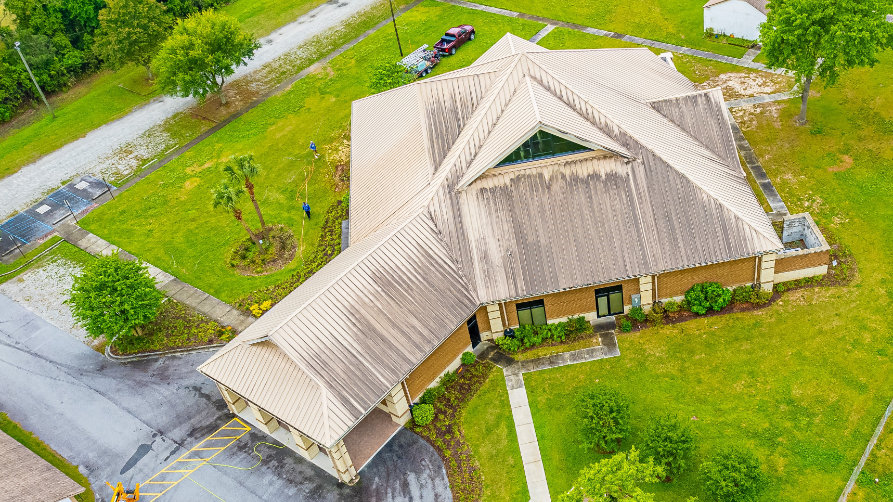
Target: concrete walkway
750, 55
611, 34
755, 100
542, 33
170, 285
779, 209
531, 459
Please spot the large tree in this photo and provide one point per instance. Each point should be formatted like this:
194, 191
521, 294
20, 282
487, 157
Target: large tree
242, 169
226, 196
615, 478
131, 31
114, 297
822, 38
201, 53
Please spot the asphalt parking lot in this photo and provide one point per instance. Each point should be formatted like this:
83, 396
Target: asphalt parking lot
128, 422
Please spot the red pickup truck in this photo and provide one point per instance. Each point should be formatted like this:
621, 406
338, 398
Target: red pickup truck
454, 38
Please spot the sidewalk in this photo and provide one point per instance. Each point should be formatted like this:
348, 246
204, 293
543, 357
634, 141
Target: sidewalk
171, 286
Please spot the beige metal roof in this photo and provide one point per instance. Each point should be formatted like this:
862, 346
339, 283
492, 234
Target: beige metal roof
25, 476
760, 5
437, 230
508, 46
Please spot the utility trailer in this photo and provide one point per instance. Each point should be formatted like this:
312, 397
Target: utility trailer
420, 61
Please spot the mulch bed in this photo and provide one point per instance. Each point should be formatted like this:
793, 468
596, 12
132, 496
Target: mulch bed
683, 316
280, 247
176, 327
445, 432
328, 246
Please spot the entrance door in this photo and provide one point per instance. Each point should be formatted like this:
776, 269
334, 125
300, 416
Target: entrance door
473, 331
609, 301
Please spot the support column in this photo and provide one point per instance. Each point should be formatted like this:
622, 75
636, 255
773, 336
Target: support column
343, 464
233, 401
495, 317
306, 447
398, 404
265, 421
645, 292
767, 271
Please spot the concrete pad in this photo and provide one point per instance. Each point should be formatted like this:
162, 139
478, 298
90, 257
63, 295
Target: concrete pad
87, 241
109, 250
522, 416
526, 433
163, 278
514, 381
231, 316
530, 452
518, 397
539, 491
534, 472
172, 286
219, 310
206, 306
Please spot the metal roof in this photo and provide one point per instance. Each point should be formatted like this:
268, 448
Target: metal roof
760, 5
436, 230
26, 476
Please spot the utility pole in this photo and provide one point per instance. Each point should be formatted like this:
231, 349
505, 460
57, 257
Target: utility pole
19, 49
393, 20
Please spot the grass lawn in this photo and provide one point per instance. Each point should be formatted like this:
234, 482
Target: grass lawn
92, 102
879, 466
34, 444
697, 69
803, 382
261, 18
167, 218
679, 22
490, 430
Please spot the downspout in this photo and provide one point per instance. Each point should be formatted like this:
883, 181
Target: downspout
756, 269
654, 287
408, 396
505, 318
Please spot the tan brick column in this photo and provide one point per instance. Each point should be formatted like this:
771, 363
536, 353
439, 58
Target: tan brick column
767, 271
398, 404
265, 421
645, 292
495, 317
233, 401
343, 464
307, 448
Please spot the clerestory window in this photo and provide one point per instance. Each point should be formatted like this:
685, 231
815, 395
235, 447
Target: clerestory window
542, 145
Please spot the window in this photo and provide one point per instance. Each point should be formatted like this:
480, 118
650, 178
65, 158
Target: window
609, 301
532, 313
540, 146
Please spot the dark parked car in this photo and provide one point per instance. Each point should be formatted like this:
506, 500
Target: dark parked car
454, 38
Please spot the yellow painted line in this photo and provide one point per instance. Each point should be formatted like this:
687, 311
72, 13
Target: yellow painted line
202, 449
202, 461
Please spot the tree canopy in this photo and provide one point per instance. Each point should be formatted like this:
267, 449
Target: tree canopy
201, 53
733, 474
386, 75
131, 31
822, 39
617, 477
114, 297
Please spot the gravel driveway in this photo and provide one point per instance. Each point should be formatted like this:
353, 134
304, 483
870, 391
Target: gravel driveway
119, 146
126, 422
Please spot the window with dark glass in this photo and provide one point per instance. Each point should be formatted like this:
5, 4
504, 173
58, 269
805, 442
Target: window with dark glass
540, 146
609, 301
531, 313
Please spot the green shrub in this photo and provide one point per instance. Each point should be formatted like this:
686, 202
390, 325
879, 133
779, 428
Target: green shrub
604, 416
780, 288
555, 332
636, 314
431, 394
468, 358
655, 318
658, 308
670, 442
448, 378
707, 295
576, 326
761, 297
626, 326
508, 345
742, 294
684, 305
671, 306
423, 414
733, 475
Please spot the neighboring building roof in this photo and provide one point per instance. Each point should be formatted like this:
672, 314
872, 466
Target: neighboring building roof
26, 476
436, 230
760, 5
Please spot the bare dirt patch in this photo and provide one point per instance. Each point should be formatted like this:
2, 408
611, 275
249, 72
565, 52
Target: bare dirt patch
845, 163
748, 116
745, 85
279, 250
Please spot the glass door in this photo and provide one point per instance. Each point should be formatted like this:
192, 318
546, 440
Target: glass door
609, 301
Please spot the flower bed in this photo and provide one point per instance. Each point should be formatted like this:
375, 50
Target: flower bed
279, 250
529, 337
176, 327
445, 432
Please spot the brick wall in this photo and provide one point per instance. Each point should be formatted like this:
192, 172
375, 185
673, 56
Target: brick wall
439, 360
572, 302
483, 320
798, 262
730, 273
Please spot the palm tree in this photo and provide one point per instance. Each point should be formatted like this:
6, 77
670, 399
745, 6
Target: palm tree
227, 196
244, 169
